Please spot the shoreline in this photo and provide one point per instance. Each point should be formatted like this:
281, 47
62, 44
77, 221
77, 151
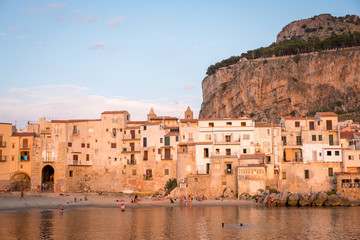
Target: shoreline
43, 201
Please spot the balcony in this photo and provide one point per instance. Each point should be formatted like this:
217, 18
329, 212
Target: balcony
79, 163
131, 162
76, 133
227, 141
24, 147
296, 159
2, 144
131, 150
167, 157
129, 137
3, 158
145, 158
292, 143
47, 160
228, 171
45, 132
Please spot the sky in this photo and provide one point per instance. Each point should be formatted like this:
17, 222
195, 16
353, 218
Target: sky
76, 59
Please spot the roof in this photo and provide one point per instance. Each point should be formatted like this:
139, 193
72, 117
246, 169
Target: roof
300, 118
164, 118
137, 122
346, 135
223, 119
173, 134
74, 120
252, 156
188, 120
24, 134
326, 113
113, 112
6, 123
266, 124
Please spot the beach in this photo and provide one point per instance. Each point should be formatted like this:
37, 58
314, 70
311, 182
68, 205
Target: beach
11, 201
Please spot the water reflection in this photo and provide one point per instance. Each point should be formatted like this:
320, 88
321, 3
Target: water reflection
182, 223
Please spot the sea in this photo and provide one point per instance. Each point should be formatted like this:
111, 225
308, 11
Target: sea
197, 222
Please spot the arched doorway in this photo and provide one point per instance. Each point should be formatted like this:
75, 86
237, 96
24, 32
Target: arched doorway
20, 182
47, 180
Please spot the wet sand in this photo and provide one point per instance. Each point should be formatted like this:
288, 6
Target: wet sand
54, 200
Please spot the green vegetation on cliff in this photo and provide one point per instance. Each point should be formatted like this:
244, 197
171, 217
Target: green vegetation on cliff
292, 47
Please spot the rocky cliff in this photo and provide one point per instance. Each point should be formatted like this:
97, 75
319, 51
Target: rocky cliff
320, 26
285, 86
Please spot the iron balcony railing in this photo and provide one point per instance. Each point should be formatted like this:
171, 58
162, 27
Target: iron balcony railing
131, 161
350, 185
228, 171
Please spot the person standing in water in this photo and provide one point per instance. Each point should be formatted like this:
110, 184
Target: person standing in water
123, 207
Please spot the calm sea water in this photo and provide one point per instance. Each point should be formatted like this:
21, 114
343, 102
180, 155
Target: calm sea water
183, 223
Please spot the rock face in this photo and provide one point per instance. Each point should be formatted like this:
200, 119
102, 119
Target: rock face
284, 86
293, 200
320, 26
320, 199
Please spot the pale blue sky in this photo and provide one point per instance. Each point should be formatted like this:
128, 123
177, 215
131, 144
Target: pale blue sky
75, 59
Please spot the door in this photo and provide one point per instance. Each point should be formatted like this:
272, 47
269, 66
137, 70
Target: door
25, 144
331, 140
132, 132
132, 147
328, 125
167, 154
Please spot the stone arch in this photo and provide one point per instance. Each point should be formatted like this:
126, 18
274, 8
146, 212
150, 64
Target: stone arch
47, 178
20, 181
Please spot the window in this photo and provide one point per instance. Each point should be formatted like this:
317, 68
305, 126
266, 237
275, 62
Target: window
83, 145
217, 166
113, 145
351, 157
75, 157
297, 124
311, 125
145, 156
69, 144
243, 124
228, 151
328, 125
337, 153
246, 136
144, 128
161, 140
331, 172
176, 138
114, 132
283, 138
206, 152
228, 138
57, 128
159, 151
217, 151
144, 142
166, 172
228, 168
48, 156
75, 130
328, 153
88, 145
331, 140
298, 140
228, 123
320, 137
313, 137
87, 157
283, 175
115, 118
167, 141
268, 132
211, 124
306, 174
134, 172
244, 150
70, 173
208, 136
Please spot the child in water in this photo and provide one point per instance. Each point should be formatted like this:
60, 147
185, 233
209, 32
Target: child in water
123, 207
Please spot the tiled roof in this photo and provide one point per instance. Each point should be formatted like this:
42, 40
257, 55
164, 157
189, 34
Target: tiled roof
223, 119
300, 118
172, 134
346, 135
164, 118
74, 120
326, 113
189, 120
265, 124
113, 112
24, 134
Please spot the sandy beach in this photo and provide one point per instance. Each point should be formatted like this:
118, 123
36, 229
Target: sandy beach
54, 200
